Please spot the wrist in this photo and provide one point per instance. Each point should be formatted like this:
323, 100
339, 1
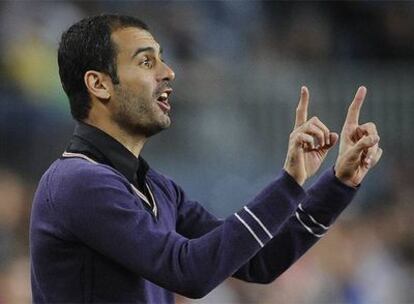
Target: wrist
300, 181
346, 181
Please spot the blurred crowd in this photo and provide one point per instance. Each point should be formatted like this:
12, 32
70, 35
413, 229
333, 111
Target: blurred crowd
239, 67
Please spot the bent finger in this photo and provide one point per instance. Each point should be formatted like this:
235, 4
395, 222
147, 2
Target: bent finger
316, 133
370, 154
333, 138
377, 157
364, 143
368, 128
315, 120
305, 141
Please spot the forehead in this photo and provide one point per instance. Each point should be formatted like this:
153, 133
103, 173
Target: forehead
129, 39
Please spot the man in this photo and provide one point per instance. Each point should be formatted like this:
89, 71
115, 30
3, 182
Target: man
105, 227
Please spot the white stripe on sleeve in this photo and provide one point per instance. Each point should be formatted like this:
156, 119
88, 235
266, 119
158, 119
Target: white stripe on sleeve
259, 222
306, 227
249, 229
312, 219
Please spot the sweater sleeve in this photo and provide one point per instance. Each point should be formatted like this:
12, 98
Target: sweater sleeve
324, 201
96, 206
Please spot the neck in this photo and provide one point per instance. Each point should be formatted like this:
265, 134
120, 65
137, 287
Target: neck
134, 143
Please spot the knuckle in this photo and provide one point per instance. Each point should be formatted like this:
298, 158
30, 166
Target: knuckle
371, 125
364, 142
318, 121
298, 129
305, 126
320, 131
320, 135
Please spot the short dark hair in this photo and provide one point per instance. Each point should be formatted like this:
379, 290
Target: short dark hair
87, 45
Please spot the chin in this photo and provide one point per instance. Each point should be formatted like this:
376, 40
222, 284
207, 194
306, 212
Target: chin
167, 123
164, 121
151, 130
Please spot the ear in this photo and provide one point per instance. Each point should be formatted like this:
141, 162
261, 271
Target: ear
98, 84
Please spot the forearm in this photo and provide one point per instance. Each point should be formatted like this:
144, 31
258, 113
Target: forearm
325, 200
279, 254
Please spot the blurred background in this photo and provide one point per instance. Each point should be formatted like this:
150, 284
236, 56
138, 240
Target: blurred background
239, 67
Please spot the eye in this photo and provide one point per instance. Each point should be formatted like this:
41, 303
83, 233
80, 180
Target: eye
147, 62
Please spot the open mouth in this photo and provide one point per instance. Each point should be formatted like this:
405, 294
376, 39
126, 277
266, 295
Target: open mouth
163, 101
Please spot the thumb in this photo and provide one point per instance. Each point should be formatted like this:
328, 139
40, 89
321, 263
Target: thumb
363, 144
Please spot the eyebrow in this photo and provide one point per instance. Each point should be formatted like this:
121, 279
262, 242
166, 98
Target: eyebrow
145, 49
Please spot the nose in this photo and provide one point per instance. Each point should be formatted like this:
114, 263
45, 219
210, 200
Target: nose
167, 73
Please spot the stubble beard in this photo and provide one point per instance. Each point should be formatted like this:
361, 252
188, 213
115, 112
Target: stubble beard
138, 115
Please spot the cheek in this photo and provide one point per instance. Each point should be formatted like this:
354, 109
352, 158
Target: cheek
144, 92
142, 84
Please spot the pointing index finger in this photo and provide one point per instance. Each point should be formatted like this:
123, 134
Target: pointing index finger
302, 109
355, 107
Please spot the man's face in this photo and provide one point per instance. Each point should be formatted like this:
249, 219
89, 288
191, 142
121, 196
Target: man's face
140, 102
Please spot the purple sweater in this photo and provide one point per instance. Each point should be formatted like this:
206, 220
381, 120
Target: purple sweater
92, 240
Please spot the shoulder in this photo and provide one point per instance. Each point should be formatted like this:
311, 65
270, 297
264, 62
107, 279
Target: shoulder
75, 168
76, 175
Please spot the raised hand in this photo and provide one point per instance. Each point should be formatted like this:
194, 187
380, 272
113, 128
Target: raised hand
309, 142
358, 148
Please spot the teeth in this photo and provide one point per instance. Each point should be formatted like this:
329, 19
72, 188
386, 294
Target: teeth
164, 95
